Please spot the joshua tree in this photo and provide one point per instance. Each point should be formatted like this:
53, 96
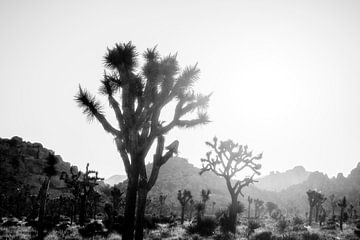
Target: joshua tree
258, 206
213, 207
72, 182
200, 208
49, 171
320, 200
351, 211
250, 200
313, 197
333, 204
137, 97
89, 181
229, 159
184, 197
270, 206
205, 196
342, 204
116, 198
192, 206
81, 185
162, 199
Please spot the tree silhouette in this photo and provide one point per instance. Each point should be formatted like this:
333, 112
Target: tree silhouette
270, 206
250, 200
49, 171
258, 206
205, 196
230, 159
342, 204
184, 197
137, 97
333, 204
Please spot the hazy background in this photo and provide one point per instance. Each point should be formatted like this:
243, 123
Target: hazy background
285, 75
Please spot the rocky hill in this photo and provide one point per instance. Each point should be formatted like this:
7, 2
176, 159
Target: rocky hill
21, 166
115, 179
277, 181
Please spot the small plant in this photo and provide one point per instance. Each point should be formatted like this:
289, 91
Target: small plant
252, 225
310, 236
297, 220
263, 236
224, 236
205, 227
282, 225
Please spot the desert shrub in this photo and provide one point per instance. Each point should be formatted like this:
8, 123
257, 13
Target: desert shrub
205, 227
195, 237
52, 236
252, 225
288, 237
310, 236
150, 222
297, 221
224, 236
165, 234
276, 214
282, 225
92, 229
263, 236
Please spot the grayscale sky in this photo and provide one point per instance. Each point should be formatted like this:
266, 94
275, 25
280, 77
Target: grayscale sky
285, 75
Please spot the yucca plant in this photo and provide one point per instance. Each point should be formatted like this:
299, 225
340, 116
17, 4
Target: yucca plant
138, 95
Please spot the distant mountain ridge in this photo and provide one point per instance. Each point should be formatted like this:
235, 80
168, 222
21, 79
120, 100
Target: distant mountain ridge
21, 163
115, 179
278, 181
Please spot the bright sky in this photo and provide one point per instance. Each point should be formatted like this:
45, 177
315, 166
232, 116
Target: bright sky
285, 75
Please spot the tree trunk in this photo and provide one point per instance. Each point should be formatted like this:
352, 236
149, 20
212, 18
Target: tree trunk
42, 207
317, 213
82, 214
182, 213
130, 205
341, 218
310, 215
233, 213
140, 213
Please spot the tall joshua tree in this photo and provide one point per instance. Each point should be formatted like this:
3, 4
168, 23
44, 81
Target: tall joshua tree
184, 197
162, 199
137, 97
205, 196
333, 204
228, 160
49, 171
342, 204
320, 200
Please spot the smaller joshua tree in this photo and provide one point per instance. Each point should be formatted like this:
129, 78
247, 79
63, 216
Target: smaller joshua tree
250, 200
342, 204
184, 197
333, 204
162, 199
226, 159
314, 198
258, 206
205, 196
320, 200
117, 199
49, 171
81, 185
